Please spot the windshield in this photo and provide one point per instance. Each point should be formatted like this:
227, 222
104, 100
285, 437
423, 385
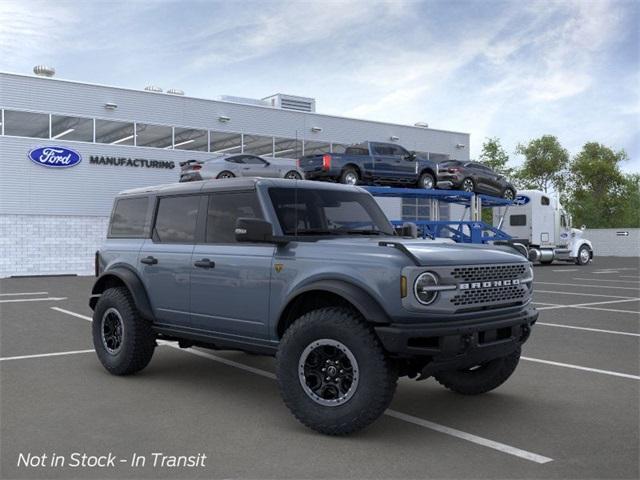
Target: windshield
328, 212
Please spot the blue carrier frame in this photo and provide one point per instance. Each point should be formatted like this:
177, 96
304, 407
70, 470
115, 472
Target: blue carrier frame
461, 231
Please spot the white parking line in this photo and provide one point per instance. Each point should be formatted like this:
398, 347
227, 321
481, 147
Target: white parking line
633, 312
582, 294
588, 329
603, 280
41, 355
48, 299
23, 293
588, 286
629, 276
74, 314
533, 457
578, 367
469, 437
567, 270
590, 304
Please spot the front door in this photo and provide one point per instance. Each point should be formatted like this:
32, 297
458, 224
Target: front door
256, 167
230, 282
165, 259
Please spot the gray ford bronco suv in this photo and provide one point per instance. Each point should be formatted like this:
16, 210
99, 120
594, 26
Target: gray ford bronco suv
314, 274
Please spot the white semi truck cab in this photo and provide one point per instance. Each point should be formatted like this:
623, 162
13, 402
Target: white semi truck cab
538, 221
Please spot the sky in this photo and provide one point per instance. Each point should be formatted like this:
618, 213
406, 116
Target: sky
515, 70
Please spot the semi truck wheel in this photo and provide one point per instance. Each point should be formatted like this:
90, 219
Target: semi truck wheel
123, 340
584, 255
481, 378
333, 373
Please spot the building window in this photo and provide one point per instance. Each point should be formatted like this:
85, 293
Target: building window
287, 148
114, 133
221, 142
315, 148
26, 124
157, 136
71, 128
258, 145
190, 139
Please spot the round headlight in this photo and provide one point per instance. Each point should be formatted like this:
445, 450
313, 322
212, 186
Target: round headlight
422, 288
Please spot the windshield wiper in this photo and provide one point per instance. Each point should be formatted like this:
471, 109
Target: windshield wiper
314, 231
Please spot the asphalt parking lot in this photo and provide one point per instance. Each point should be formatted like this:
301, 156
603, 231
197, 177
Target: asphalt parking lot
570, 410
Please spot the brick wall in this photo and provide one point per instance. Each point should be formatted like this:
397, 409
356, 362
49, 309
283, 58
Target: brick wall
49, 244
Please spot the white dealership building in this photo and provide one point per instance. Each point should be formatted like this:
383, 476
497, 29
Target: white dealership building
53, 219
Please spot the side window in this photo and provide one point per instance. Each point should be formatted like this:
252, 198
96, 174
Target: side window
518, 220
563, 221
176, 219
129, 217
238, 159
251, 160
223, 212
544, 201
399, 151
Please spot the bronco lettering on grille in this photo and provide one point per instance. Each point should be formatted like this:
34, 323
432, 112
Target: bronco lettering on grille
494, 283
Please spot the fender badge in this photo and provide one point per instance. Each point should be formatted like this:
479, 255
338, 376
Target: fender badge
278, 267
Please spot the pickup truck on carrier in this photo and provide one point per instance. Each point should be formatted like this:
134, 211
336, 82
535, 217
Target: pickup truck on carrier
372, 163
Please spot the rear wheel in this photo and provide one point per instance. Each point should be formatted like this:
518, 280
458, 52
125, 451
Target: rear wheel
333, 373
123, 340
293, 175
426, 181
468, 185
480, 378
584, 255
349, 176
225, 174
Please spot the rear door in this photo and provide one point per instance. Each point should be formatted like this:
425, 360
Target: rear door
230, 282
383, 161
165, 259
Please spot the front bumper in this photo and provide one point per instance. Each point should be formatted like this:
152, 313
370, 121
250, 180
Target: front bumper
452, 345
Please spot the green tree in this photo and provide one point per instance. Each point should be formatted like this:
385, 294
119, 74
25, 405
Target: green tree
545, 164
599, 194
495, 157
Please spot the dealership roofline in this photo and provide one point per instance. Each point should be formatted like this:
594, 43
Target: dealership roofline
231, 103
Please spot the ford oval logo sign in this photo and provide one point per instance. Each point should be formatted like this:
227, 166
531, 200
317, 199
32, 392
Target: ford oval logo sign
521, 200
55, 157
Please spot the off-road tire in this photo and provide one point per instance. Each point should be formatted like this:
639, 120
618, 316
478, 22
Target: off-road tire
486, 378
424, 178
344, 176
377, 374
138, 340
225, 174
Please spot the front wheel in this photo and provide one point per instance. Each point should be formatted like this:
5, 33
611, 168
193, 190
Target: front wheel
509, 194
480, 378
584, 255
333, 373
122, 339
426, 181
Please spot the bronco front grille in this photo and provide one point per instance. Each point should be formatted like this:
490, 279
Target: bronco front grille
478, 273
494, 295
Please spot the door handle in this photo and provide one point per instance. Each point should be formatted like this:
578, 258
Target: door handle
149, 260
205, 263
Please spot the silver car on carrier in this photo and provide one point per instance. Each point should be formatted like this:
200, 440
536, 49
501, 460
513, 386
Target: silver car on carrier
240, 165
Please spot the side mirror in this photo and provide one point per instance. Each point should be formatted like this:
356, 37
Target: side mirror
411, 156
253, 230
583, 227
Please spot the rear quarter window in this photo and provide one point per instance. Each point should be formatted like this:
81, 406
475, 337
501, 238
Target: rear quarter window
129, 218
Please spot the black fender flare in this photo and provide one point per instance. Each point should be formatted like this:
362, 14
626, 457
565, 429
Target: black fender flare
133, 283
369, 307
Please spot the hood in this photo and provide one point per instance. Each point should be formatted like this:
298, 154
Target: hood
439, 252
